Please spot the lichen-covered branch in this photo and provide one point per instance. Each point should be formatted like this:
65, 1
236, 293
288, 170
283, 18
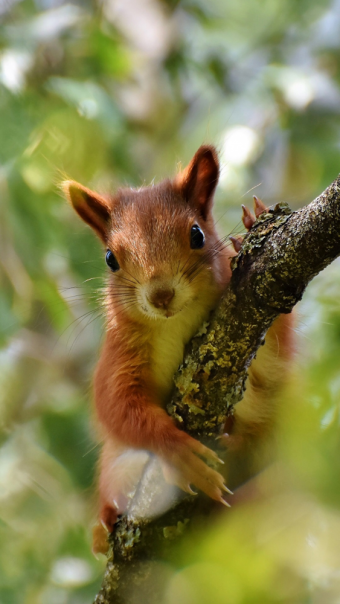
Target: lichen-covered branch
282, 253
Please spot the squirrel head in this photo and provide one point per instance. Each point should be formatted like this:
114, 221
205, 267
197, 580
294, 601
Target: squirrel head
161, 244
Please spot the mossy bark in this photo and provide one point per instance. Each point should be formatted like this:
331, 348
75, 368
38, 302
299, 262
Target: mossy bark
280, 255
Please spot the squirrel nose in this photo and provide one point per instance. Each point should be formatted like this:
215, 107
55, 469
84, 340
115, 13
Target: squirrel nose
161, 298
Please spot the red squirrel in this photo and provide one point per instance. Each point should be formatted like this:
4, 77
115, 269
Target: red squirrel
168, 270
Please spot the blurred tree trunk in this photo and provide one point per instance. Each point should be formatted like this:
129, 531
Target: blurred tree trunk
280, 255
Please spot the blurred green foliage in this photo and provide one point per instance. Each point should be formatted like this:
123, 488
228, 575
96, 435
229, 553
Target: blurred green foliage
116, 92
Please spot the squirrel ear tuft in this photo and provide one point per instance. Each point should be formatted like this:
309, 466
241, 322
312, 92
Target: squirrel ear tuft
197, 182
91, 207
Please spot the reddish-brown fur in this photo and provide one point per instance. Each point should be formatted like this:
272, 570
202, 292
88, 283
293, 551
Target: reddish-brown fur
155, 303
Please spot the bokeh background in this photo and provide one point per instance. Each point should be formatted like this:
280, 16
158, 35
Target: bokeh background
118, 92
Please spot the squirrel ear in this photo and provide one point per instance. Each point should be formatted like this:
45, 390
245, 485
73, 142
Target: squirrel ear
197, 182
91, 207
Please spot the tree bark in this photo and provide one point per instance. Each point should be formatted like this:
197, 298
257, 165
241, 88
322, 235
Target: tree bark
280, 255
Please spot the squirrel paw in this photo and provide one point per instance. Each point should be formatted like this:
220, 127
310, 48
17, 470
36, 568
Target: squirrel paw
186, 469
101, 530
248, 220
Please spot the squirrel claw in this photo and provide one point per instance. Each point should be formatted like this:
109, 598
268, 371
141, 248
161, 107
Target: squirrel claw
189, 490
227, 490
259, 206
237, 243
227, 505
223, 437
217, 459
247, 218
208, 454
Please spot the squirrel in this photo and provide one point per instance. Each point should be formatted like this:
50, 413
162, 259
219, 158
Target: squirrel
168, 270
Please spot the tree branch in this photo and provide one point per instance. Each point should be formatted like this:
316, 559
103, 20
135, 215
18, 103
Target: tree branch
280, 255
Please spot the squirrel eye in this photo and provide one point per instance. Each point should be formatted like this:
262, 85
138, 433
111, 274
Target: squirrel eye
112, 261
197, 238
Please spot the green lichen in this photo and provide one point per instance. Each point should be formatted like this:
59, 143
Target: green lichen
224, 360
193, 408
129, 537
208, 367
202, 330
184, 381
207, 350
172, 532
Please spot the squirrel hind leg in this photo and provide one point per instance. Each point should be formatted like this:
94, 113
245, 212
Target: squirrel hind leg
101, 530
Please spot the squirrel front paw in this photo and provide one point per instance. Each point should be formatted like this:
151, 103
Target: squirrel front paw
185, 468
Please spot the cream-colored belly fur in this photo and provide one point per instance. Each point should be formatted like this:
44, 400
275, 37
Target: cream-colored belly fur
169, 338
